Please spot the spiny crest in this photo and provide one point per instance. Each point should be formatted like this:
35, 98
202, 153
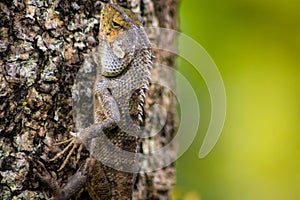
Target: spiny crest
116, 19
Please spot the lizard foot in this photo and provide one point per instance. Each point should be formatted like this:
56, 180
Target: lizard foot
75, 183
47, 178
73, 144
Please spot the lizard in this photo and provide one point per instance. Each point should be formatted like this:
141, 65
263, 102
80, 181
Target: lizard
124, 57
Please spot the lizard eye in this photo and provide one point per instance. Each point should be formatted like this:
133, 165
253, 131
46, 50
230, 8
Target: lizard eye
116, 24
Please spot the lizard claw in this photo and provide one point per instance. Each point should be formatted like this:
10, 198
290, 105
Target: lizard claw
40, 169
44, 175
73, 144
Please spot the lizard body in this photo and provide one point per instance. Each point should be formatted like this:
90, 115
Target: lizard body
125, 59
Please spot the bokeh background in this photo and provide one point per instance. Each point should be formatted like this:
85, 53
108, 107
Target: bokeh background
256, 46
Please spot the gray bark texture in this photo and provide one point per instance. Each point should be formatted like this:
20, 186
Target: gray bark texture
42, 46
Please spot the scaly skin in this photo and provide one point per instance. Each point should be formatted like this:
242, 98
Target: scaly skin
125, 60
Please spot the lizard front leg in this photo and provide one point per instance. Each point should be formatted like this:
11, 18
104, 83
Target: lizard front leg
107, 102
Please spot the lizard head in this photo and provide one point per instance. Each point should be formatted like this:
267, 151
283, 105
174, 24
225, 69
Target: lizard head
115, 20
121, 36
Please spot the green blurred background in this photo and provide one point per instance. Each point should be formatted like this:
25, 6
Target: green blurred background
256, 46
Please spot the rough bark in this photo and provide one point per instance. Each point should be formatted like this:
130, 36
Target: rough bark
42, 46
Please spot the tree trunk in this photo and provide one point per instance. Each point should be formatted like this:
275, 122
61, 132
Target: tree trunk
42, 46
